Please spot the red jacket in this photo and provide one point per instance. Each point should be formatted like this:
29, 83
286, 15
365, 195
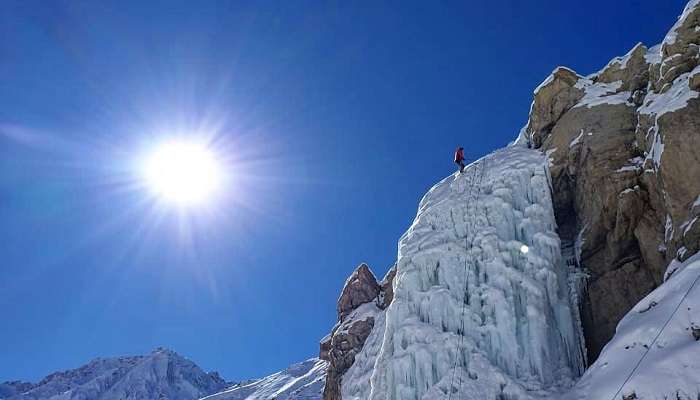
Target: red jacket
459, 155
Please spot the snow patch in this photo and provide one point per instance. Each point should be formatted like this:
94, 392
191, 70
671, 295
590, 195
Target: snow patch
576, 140
635, 165
674, 99
668, 229
688, 225
598, 93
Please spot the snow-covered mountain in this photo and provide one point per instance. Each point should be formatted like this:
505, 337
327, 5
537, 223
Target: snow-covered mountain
163, 374
302, 381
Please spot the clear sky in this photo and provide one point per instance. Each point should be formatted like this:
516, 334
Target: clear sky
334, 118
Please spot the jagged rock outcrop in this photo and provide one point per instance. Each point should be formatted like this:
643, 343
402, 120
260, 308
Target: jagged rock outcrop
624, 148
360, 288
361, 299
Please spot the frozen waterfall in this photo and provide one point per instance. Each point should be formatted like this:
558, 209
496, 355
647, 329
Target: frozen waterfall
474, 317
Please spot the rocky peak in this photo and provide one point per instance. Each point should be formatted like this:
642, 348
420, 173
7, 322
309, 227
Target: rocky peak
360, 288
632, 70
557, 94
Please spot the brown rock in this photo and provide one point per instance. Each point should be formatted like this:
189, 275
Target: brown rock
552, 99
346, 343
360, 288
694, 81
597, 189
350, 333
607, 185
387, 288
680, 49
325, 348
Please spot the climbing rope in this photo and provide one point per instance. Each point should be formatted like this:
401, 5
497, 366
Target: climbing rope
477, 175
697, 278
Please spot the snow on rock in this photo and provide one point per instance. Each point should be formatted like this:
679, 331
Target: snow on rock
674, 99
302, 381
554, 75
672, 34
512, 332
598, 93
653, 55
671, 367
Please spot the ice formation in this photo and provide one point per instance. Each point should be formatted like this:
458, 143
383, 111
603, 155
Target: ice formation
473, 317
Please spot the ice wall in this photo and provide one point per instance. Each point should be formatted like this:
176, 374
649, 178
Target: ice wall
473, 316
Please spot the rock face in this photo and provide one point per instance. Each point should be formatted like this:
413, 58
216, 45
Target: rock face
163, 374
624, 149
361, 299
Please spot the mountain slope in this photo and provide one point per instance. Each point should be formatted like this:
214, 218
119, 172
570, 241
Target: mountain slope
163, 374
302, 381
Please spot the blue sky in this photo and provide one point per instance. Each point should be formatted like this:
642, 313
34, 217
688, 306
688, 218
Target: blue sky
336, 117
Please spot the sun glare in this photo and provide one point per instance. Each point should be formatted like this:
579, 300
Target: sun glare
183, 173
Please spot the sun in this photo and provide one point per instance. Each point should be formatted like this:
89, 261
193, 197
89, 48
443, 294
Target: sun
183, 173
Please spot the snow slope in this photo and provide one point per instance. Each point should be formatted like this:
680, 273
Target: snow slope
302, 381
671, 367
513, 332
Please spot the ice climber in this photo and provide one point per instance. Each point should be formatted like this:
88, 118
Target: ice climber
459, 158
